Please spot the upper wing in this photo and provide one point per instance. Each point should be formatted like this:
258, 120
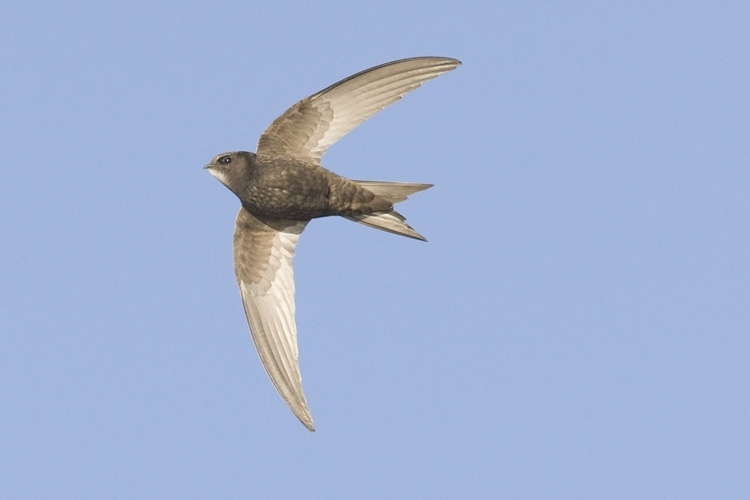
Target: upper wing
307, 129
263, 251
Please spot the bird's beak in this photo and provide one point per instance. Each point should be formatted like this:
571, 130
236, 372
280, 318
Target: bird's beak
207, 167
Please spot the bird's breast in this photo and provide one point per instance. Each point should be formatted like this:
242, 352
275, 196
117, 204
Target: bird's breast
288, 190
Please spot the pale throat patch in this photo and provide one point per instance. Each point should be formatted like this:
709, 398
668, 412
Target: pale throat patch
220, 176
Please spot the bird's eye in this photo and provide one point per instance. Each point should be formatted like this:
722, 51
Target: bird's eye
225, 160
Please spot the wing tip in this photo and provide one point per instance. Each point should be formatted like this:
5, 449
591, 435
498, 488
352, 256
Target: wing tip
303, 415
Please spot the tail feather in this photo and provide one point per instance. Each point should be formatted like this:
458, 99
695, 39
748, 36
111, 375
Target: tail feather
395, 192
391, 221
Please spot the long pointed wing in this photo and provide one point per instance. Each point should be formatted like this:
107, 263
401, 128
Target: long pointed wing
263, 251
307, 129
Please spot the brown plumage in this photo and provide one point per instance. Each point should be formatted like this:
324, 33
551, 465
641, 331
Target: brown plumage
283, 186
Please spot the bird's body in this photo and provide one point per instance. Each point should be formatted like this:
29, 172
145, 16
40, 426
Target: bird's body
283, 186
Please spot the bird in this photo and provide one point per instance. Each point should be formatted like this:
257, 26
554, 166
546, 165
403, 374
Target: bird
283, 186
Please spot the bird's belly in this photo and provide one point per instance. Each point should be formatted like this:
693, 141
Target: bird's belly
287, 203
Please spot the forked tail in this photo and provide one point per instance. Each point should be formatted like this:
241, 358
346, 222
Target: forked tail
391, 221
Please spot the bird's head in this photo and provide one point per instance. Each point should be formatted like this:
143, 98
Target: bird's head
232, 169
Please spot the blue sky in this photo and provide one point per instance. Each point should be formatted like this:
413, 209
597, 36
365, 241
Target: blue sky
576, 327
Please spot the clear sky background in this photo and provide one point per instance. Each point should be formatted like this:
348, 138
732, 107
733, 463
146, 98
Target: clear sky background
578, 325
